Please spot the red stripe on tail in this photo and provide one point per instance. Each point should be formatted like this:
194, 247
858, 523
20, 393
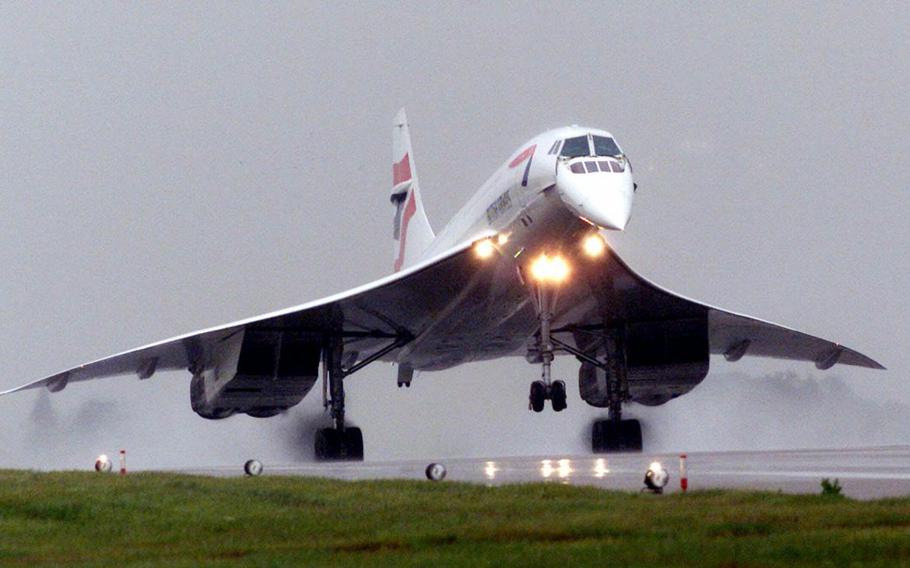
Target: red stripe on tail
401, 171
409, 211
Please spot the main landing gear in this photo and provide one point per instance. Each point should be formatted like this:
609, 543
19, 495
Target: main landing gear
615, 434
339, 442
542, 352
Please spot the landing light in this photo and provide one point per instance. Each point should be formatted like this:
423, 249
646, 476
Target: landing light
545, 268
484, 249
656, 478
593, 245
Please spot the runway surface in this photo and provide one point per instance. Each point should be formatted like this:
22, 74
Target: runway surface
863, 473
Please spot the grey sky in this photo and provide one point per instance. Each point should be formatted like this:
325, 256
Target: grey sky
166, 167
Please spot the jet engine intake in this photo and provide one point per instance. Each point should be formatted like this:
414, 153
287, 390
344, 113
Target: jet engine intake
257, 372
663, 360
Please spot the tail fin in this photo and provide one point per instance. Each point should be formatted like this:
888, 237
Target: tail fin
412, 231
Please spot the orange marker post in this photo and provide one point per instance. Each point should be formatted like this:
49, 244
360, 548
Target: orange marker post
683, 473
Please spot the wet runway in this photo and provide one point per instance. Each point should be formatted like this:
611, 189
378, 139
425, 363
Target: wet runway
863, 473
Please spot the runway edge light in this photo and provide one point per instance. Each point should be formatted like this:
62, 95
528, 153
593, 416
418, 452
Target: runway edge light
436, 472
252, 468
103, 464
656, 478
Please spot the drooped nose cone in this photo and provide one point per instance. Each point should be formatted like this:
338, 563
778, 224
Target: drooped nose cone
603, 198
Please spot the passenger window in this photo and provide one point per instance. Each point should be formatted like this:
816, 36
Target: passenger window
574, 147
592, 167
604, 146
577, 168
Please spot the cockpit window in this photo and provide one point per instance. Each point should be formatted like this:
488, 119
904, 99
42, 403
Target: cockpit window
604, 146
574, 147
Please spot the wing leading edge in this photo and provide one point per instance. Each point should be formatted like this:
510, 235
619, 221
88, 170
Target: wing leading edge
369, 318
452, 309
624, 294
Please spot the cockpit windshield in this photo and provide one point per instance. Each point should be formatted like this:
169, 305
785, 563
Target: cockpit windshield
604, 146
574, 147
581, 146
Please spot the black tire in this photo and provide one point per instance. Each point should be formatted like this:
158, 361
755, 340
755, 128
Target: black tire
597, 437
353, 444
630, 433
608, 436
605, 437
558, 396
538, 396
328, 444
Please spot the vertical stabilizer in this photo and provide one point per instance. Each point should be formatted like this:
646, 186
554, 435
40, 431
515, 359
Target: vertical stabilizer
411, 228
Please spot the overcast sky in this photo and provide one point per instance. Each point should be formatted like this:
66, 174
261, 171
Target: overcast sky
168, 167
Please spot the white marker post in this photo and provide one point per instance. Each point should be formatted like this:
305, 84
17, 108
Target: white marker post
122, 462
683, 473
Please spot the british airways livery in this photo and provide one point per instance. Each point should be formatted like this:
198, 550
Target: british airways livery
521, 270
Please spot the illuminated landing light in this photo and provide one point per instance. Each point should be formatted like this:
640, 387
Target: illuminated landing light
546, 469
656, 478
484, 249
600, 468
502, 238
594, 245
547, 269
490, 470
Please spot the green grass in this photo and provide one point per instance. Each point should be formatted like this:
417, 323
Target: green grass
87, 518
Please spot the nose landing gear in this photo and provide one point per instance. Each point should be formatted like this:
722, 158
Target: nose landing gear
542, 352
540, 393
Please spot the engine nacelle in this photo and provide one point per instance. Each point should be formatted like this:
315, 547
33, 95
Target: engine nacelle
260, 373
664, 359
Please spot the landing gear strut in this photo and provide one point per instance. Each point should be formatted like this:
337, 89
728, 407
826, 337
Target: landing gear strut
545, 388
338, 442
615, 434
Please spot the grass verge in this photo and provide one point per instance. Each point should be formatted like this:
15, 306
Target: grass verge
145, 518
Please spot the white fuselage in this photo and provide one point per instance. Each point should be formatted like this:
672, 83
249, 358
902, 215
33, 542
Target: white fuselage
603, 198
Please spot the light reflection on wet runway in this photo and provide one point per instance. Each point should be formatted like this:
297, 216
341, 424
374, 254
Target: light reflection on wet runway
863, 473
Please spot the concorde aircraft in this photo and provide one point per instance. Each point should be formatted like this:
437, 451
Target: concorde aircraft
521, 270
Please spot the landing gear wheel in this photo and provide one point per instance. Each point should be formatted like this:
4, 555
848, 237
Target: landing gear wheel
332, 444
353, 444
609, 436
558, 396
328, 444
538, 396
